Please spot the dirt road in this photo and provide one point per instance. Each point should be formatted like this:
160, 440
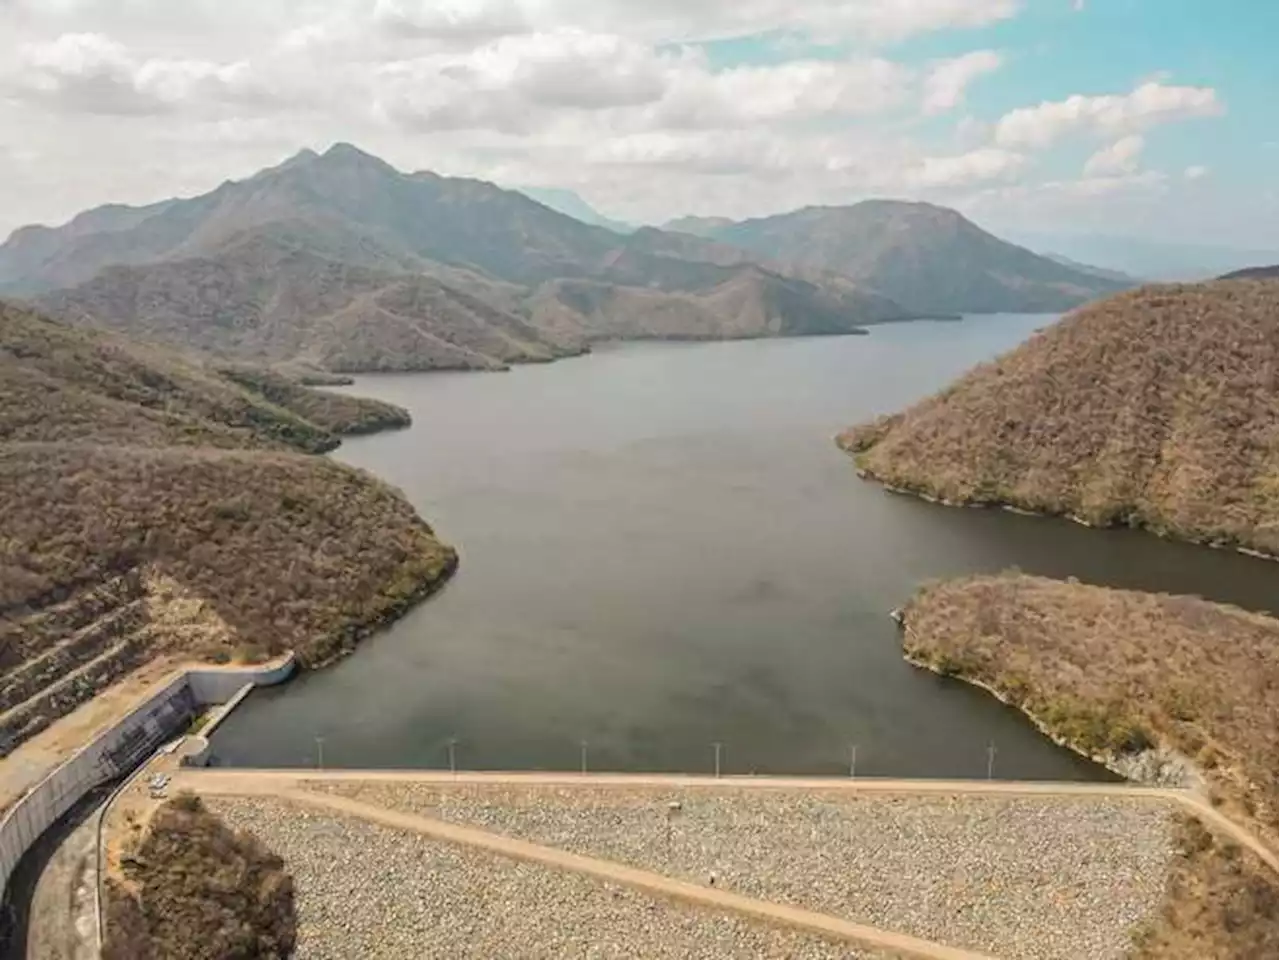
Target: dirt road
654, 884
291, 786
275, 781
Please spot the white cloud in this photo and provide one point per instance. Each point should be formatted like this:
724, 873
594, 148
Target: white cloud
519, 83
1111, 114
785, 92
91, 73
350, 22
453, 19
1119, 157
976, 166
616, 98
945, 84
1055, 197
1146, 181
504, 84
690, 20
1195, 172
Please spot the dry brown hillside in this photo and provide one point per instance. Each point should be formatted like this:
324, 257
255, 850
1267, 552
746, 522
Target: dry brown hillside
337, 412
1155, 408
750, 303
263, 299
154, 508
1253, 273
60, 384
196, 890
1113, 672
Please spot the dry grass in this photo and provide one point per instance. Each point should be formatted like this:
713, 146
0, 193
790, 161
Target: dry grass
273, 298
195, 890
1112, 671
61, 384
64, 385
1155, 408
338, 413
154, 507
1220, 904
292, 552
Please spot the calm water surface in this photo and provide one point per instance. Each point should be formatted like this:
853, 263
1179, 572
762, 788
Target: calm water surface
662, 549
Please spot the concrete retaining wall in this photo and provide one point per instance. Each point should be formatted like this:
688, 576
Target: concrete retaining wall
121, 747
198, 751
220, 684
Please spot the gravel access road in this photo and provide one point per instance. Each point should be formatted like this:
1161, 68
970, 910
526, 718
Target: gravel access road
1024, 878
377, 893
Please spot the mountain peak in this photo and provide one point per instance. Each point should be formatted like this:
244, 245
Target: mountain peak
349, 153
338, 156
342, 148
573, 205
305, 155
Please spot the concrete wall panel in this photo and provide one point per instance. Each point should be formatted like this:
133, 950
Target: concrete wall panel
121, 747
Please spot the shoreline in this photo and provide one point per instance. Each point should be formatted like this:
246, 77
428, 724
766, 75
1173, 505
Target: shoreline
1106, 762
864, 474
361, 632
1114, 763
350, 375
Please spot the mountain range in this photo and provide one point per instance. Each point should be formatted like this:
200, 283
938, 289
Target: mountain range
572, 205
1143, 257
927, 258
343, 262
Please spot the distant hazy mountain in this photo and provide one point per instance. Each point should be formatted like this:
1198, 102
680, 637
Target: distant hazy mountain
572, 205
1253, 273
748, 302
1103, 272
927, 258
338, 259
344, 204
698, 226
1150, 259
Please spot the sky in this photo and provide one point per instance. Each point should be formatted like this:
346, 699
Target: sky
1144, 118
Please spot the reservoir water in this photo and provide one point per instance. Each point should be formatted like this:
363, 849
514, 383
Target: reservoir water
662, 550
